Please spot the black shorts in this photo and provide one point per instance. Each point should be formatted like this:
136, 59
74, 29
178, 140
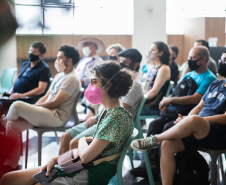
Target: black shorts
216, 139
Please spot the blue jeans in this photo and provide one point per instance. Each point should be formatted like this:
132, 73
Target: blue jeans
146, 111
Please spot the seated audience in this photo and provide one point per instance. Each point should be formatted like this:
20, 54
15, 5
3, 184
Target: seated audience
34, 75
52, 110
204, 126
173, 65
113, 51
131, 101
108, 84
197, 60
211, 64
90, 48
158, 78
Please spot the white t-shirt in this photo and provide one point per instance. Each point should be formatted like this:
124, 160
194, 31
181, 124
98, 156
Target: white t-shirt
70, 85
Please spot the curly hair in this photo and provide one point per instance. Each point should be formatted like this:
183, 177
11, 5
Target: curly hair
120, 84
70, 52
165, 58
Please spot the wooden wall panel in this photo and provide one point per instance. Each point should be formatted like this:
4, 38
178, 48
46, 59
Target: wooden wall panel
177, 40
215, 27
194, 28
54, 41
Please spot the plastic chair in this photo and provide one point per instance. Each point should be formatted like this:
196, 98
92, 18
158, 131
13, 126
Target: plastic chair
40, 131
121, 159
7, 79
214, 154
118, 179
167, 94
140, 135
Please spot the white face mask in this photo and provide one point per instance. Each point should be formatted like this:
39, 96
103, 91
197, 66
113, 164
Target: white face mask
60, 67
86, 51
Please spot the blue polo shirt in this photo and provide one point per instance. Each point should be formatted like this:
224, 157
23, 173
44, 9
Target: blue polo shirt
30, 77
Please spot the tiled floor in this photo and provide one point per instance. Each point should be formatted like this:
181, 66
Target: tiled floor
50, 149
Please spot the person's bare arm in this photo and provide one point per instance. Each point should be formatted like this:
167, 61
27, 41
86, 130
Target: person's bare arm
37, 91
197, 109
162, 76
89, 152
11, 90
60, 98
43, 99
194, 111
126, 105
184, 100
218, 119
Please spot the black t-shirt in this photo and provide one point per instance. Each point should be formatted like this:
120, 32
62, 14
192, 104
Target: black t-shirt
30, 77
174, 72
215, 101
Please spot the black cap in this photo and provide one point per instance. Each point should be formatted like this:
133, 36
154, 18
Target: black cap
132, 54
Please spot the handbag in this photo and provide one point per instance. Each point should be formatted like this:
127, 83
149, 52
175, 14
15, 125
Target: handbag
186, 87
70, 161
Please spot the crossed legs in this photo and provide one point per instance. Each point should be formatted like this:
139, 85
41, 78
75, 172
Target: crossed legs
172, 144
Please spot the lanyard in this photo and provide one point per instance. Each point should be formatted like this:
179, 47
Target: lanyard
58, 81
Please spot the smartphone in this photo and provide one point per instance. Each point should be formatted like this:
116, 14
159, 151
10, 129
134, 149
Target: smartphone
42, 178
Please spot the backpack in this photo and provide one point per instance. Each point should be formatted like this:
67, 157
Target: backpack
191, 169
186, 87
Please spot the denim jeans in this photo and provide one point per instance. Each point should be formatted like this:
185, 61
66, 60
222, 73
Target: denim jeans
146, 111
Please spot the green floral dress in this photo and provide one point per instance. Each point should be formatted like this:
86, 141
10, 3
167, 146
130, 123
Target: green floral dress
116, 127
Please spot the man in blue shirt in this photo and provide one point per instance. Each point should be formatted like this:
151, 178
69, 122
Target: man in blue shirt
205, 125
34, 75
197, 60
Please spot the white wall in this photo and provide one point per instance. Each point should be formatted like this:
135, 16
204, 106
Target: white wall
149, 25
8, 55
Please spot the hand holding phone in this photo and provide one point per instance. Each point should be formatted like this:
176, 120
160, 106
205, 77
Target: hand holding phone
42, 178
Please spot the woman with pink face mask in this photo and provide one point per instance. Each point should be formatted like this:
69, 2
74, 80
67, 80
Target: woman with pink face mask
115, 125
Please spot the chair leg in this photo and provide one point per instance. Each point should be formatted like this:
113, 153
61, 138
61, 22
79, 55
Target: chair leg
57, 139
222, 169
213, 170
131, 158
27, 146
21, 145
39, 148
148, 166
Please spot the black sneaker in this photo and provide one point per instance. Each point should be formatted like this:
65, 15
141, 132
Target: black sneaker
141, 171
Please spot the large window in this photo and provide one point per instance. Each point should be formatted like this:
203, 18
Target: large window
178, 10
74, 16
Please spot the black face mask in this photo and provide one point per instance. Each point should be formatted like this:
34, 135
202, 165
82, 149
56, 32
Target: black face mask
222, 69
124, 66
193, 64
114, 58
33, 57
173, 58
